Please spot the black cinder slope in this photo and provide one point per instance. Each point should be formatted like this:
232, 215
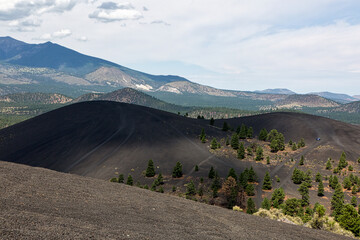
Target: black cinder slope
42, 204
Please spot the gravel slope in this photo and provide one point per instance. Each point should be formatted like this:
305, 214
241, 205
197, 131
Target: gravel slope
38, 203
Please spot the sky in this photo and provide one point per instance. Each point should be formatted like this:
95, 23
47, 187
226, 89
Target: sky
302, 45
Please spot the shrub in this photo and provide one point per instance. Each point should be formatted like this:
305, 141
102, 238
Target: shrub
130, 180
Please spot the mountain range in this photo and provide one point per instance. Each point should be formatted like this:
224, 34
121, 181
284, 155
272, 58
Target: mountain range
52, 68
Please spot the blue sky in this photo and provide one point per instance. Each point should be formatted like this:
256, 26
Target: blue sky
302, 45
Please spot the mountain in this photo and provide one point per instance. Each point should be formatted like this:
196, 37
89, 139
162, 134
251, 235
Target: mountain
47, 204
337, 97
277, 91
36, 98
49, 63
357, 97
129, 95
353, 107
298, 101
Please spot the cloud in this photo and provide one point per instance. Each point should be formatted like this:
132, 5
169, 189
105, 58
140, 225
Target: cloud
18, 9
28, 25
160, 22
82, 39
63, 33
145, 9
110, 11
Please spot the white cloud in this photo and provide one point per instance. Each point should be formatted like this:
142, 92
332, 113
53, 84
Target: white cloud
63, 33
82, 39
18, 9
110, 11
28, 25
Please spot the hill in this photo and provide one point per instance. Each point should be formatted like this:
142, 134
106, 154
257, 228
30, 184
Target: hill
299, 101
129, 95
353, 107
35, 98
277, 91
337, 97
90, 208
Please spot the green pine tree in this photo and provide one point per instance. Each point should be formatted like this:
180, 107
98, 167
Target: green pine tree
212, 121
301, 160
263, 134
266, 204
211, 173
337, 201
267, 182
354, 201
250, 209
267, 160
259, 154
250, 190
160, 179
304, 192
250, 132
214, 144
196, 168
342, 162
252, 177
234, 141
150, 171
202, 134
121, 178
243, 132
320, 189
241, 151
328, 164
190, 189
225, 127
277, 198
232, 174
177, 171
318, 177
130, 180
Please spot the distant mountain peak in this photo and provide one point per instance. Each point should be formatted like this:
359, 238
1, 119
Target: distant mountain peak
276, 91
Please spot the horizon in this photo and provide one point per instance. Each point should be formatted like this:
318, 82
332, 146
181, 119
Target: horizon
235, 45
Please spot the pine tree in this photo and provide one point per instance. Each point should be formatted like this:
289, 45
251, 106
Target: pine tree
225, 127
301, 143
202, 134
249, 151
203, 139
232, 174
263, 134
328, 164
211, 173
241, 151
267, 160
320, 189
250, 190
160, 179
294, 147
301, 160
347, 183
337, 201
216, 184
121, 178
259, 154
304, 192
267, 182
130, 180
354, 201
212, 121
334, 182
177, 171
277, 197
196, 168
234, 141
266, 204
318, 177
150, 171
190, 189
252, 175
349, 219
342, 162
230, 190
154, 185
201, 191
351, 168
250, 132
227, 143
243, 131
251, 209
214, 144
354, 190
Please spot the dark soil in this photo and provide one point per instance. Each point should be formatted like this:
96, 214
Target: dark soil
43, 204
